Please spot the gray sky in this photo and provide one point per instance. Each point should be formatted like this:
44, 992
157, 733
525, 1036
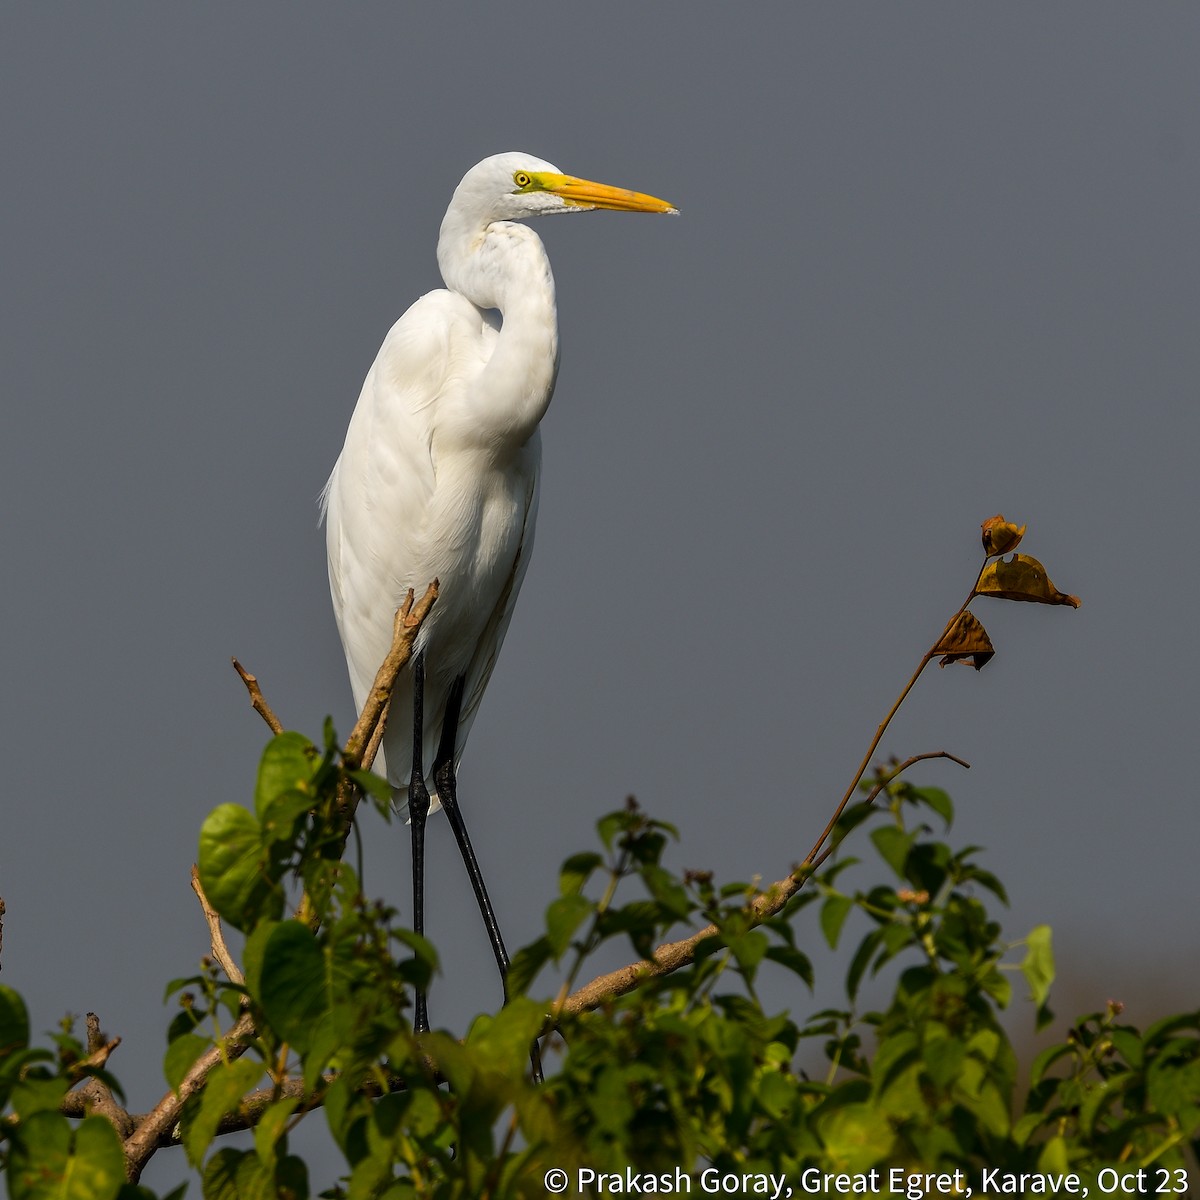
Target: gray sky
934, 262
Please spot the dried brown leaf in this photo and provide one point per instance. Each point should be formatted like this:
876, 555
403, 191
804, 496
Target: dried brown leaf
1000, 536
1021, 577
965, 641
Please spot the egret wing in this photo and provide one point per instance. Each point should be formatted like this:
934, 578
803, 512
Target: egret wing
378, 496
480, 670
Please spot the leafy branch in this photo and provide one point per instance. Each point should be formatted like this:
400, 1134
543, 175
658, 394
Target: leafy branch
327, 987
963, 639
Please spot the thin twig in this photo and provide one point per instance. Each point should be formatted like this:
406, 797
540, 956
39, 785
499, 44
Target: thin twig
404, 632
216, 937
2, 911
926, 659
892, 775
257, 699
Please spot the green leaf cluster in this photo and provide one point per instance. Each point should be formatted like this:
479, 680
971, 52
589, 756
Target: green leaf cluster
685, 1070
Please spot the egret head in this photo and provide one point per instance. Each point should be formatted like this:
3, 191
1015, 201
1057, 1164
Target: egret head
514, 187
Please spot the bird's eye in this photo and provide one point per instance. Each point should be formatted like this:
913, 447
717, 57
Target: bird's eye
522, 179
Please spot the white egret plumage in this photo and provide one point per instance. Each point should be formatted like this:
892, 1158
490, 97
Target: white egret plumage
438, 478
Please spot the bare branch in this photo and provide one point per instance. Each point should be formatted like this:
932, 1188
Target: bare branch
257, 699
93, 1096
2, 911
220, 950
404, 633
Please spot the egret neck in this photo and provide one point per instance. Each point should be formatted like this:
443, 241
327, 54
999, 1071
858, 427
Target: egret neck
504, 267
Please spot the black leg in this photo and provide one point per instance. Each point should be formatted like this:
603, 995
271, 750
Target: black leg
447, 788
443, 777
418, 810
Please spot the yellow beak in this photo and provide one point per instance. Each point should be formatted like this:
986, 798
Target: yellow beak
583, 193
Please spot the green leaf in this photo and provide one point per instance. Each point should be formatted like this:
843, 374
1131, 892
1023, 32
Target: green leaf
998, 987
943, 1056
279, 815
794, 960
563, 918
610, 825
37, 1091
233, 867
576, 871
294, 992
860, 961
668, 891
252, 954
221, 1174
14, 1022
988, 880
936, 799
51, 1161
1038, 964
748, 948
833, 916
856, 1137
272, 1127
287, 764
1054, 1158
502, 1042
1100, 1097
893, 845
526, 964
180, 1056
1128, 1044
638, 919
776, 1092
223, 1090
1046, 1059
1159, 1030
893, 1057
374, 786
706, 947
290, 1180
14, 1040
1173, 1087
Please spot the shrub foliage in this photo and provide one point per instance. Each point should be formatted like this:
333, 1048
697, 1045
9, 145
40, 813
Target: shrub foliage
686, 1072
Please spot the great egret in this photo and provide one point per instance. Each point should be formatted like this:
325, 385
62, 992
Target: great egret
438, 478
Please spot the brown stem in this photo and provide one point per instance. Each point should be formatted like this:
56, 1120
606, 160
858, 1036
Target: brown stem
220, 951
404, 633
257, 699
926, 659
895, 773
